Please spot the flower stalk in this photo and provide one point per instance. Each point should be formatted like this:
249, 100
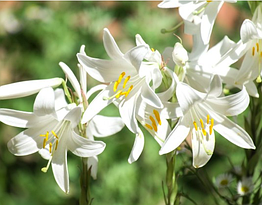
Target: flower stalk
85, 198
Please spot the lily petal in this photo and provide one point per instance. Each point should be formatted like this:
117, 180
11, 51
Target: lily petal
45, 102
150, 97
202, 149
83, 147
232, 132
102, 126
177, 136
137, 147
248, 31
136, 55
26, 88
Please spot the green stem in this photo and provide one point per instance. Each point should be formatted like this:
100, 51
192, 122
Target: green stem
85, 198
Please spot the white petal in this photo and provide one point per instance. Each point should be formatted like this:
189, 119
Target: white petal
230, 105
105, 70
127, 110
95, 89
186, 96
232, 132
208, 20
21, 119
83, 147
202, 148
26, 88
102, 126
136, 55
25, 143
59, 167
111, 46
252, 89
215, 87
98, 103
83, 80
60, 101
74, 116
72, 78
137, 147
45, 102
177, 136
150, 97
248, 31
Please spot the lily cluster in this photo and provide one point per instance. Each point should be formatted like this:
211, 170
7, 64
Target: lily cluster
176, 96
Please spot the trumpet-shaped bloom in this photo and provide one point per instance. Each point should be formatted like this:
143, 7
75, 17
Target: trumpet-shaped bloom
198, 16
251, 34
51, 131
127, 79
204, 113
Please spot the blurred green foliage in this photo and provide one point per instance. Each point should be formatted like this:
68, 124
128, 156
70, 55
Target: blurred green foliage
34, 38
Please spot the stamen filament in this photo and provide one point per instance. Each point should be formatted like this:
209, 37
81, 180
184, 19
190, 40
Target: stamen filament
156, 113
50, 147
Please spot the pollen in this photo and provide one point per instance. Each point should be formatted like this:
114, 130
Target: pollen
121, 77
125, 82
195, 124
156, 113
207, 119
153, 123
149, 126
202, 123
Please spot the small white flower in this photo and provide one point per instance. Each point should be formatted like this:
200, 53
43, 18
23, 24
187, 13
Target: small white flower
223, 180
245, 186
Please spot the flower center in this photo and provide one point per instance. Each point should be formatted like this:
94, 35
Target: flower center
51, 140
155, 121
224, 182
124, 91
202, 127
257, 52
244, 189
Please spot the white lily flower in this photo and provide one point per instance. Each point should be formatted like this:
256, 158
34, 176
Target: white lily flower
127, 79
51, 131
251, 34
26, 88
197, 15
204, 113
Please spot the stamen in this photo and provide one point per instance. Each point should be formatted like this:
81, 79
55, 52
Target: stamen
121, 77
127, 79
156, 113
44, 143
253, 51
153, 123
118, 93
115, 86
204, 132
56, 144
50, 147
129, 90
202, 124
207, 119
257, 47
261, 54
149, 126
195, 124
210, 130
152, 49
54, 134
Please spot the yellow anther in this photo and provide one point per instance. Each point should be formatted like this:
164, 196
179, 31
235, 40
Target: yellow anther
54, 134
253, 51
149, 126
207, 119
212, 122
50, 147
153, 123
118, 93
202, 124
115, 86
156, 113
121, 77
152, 49
56, 144
195, 124
44, 143
261, 54
204, 132
257, 44
127, 79
46, 135
209, 1
210, 130
129, 90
